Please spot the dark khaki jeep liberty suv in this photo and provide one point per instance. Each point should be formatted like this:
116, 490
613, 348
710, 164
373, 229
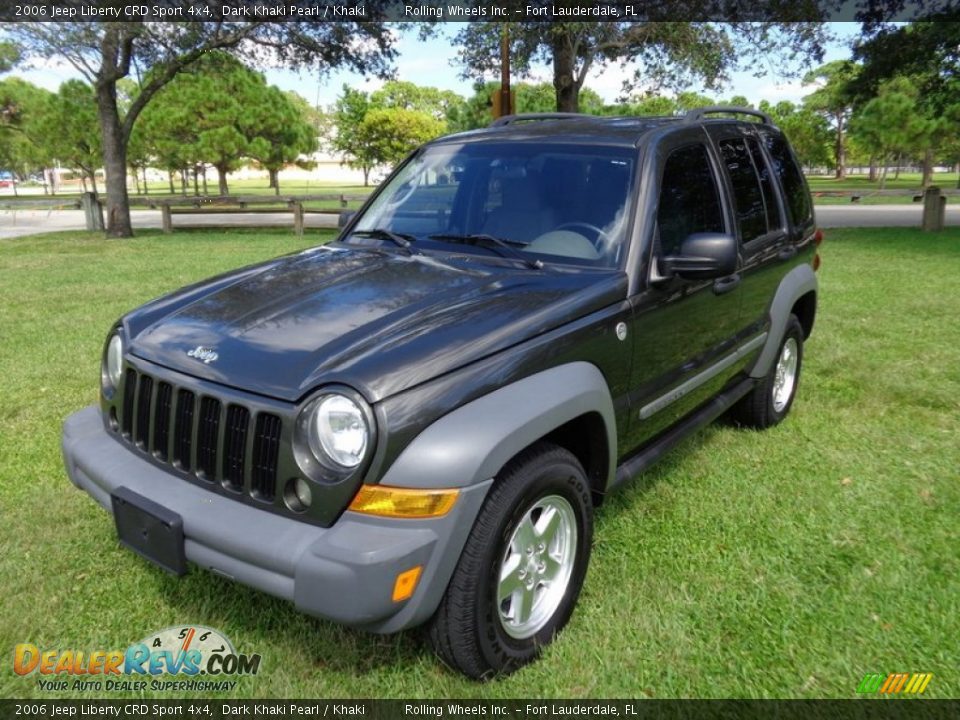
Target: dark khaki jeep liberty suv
414, 423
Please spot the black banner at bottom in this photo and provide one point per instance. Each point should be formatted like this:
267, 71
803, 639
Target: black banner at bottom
462, 709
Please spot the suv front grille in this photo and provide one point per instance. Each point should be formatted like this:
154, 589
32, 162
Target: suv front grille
213, 442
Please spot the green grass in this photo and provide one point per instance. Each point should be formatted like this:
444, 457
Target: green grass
778, 564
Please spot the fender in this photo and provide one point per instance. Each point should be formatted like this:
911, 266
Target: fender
471, 444
795, 284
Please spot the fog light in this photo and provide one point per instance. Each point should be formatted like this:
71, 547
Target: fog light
297, 495
406, 583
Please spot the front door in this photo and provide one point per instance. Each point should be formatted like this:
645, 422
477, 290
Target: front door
683, 331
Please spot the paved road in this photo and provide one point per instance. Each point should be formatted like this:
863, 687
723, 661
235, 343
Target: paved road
28, 222
830, 216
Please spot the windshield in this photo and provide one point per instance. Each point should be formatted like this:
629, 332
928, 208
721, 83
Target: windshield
558, 202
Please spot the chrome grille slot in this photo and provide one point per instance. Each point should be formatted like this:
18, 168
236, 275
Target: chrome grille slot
144, 395
183, 438
235, 446
208, 434
161, 420
266, 449
129, 394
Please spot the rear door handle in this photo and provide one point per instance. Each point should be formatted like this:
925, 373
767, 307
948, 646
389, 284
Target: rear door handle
726, 284
788, 252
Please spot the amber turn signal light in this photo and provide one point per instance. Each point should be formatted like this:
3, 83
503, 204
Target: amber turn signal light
406, 583
403, 502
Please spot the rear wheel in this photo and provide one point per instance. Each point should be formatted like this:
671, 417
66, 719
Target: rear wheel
520, 573
770, 401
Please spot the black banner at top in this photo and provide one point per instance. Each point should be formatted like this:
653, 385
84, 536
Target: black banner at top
474, 10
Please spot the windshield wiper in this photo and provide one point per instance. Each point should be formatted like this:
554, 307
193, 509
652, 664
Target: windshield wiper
501, 247
402, 239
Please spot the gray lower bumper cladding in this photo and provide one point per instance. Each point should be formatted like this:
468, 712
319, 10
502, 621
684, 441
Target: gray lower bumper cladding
344, 573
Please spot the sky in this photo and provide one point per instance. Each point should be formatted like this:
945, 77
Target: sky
432, 63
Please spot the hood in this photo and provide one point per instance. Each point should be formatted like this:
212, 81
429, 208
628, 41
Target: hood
378, 321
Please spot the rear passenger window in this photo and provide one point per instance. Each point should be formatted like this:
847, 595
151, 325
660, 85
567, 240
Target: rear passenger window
791, 179
774, 218
689, 200
748, 196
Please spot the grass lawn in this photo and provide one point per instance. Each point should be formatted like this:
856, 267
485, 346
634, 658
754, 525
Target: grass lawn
779, 564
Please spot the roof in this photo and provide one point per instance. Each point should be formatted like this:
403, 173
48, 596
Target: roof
623, 131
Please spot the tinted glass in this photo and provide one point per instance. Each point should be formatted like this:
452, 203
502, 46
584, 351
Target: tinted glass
774, 218
561, 201
748, 197
791, 179
689, 201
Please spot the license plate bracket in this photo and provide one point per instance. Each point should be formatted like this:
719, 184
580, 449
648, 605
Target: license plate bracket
152, 531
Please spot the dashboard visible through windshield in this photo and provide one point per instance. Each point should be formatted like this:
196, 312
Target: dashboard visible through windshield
550, 201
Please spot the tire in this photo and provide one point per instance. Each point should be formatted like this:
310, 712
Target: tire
770, 401
475, 633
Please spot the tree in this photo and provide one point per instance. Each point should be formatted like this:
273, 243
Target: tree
390, 134
834, 99
345, 137
440, 104
280, 135
21, 104
9, 56
667, 54
67, 129
928, 52
892, 123
476, 111
106, 52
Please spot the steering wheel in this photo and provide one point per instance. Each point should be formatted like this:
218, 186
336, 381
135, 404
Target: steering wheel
598, 232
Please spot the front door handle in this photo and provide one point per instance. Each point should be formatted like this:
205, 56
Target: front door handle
726, 284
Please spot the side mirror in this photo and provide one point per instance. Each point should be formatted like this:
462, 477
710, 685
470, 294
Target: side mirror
344, 218
704, 256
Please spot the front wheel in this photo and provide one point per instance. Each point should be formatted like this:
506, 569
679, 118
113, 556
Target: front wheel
770, 401
520, 573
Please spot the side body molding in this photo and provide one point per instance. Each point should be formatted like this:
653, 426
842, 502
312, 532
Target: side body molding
472, 443
795, 284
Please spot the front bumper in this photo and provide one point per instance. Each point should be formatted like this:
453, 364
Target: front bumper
344, 573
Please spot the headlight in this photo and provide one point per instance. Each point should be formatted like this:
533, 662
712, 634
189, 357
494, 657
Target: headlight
338, 430
112, 363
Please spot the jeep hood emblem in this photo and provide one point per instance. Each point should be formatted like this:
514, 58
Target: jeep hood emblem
202, 353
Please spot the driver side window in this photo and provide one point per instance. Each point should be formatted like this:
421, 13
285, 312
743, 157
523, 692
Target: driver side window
689, 199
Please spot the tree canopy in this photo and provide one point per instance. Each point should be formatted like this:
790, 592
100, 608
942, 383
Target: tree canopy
106, 52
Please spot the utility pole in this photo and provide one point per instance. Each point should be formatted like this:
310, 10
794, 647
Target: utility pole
503, 99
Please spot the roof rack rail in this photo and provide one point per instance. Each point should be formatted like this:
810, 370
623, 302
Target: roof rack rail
697, 114
523, 117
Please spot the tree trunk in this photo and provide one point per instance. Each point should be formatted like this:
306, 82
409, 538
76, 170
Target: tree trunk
927, 167
883, 173
173, 189
839, 150
564, 82
203, 173
114, 161
83, 182
183, 181
896, 172
196, 181
146, 190
275, 180
136, 180
93, 180
873, 169
222, 172
366, 176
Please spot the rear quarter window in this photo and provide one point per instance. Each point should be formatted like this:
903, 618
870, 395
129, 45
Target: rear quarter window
795, 190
